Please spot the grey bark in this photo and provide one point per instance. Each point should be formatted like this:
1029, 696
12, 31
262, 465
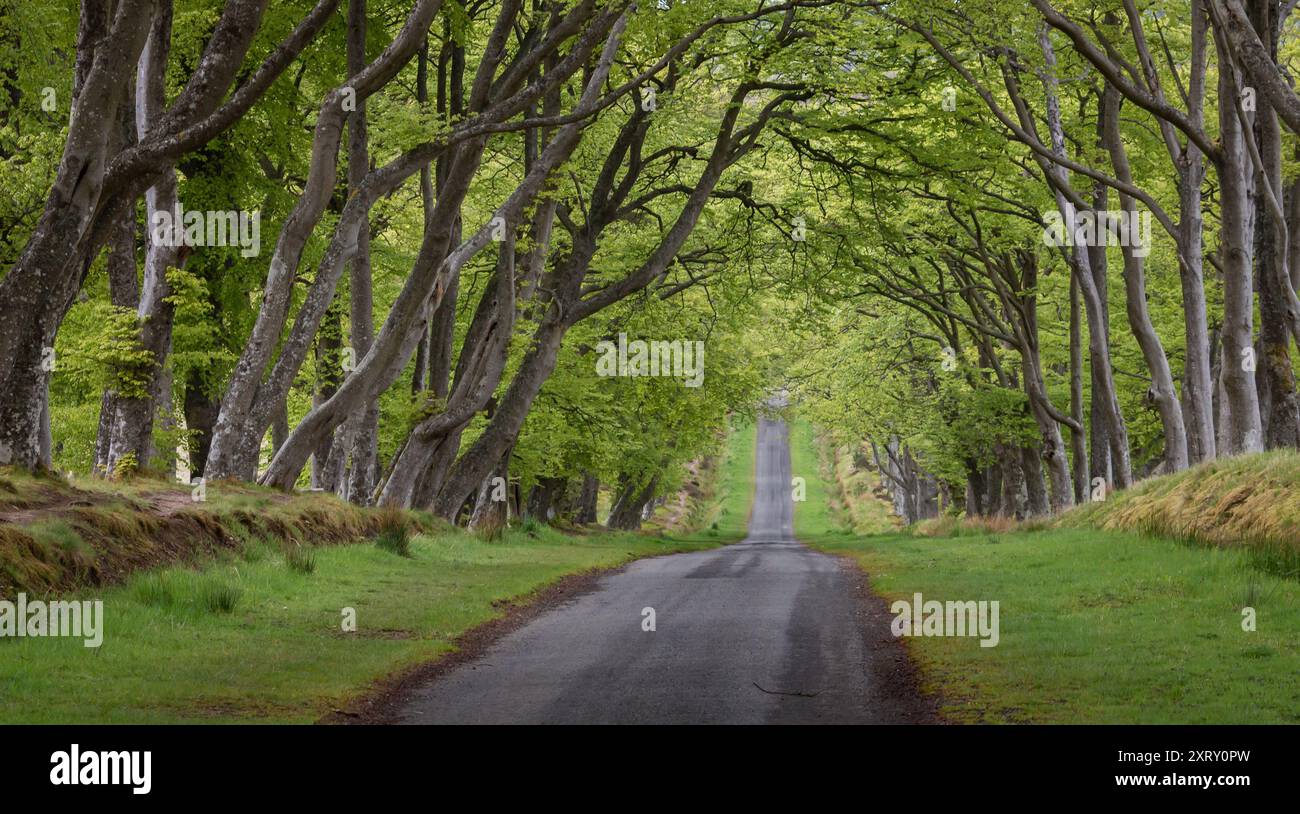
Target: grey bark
93, 189
1161, 391
134, 419
1242, 430
434, 267
1276, 378
123, 292
235, 440
1078, 442
43, 280
1094, 307
587, 499
363, 432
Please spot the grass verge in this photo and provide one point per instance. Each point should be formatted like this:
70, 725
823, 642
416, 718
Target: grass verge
260, 640
729, 520
1096, 626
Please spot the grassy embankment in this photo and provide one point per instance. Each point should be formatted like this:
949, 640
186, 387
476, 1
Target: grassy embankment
249, 628
717, 494
1101, 621
848, 496
729, 519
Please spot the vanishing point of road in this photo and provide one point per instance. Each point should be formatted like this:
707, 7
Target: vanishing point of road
762, 631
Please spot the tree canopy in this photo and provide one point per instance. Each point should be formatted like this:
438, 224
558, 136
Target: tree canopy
1025, 253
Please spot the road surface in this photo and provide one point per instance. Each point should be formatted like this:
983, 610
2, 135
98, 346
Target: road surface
763, 631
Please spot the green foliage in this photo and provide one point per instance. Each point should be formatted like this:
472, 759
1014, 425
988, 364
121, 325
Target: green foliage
99, 349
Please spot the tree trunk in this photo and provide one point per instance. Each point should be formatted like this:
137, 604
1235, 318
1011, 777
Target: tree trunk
500, 433
1242, 431
544, 495
325, 463
123, 292
41, 284
200, 415
1104, 390
628, 510
1035, 487
1013, 482
587, 500
1161, 392
1278, 408
134, 419
363, 435
233, 439
93, 189
1078, 440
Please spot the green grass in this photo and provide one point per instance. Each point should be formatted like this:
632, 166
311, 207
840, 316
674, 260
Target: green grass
394, 535
1096, 626
60, 534
1246, 501
857, 501
813, 516
299, 558
257, 635
259, 641
736, 487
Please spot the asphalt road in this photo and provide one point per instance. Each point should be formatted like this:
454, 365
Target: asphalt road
763, 631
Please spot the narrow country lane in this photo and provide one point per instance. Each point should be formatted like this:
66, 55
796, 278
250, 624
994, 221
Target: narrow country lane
763, 631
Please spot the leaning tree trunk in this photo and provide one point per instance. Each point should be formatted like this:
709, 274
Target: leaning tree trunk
1025, 303
628, 511
1104, 391
93, 188
233, 446
436, 262
1161, 392
41, 284
507, 421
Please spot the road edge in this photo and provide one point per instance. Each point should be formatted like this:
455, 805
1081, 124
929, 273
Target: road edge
894, 669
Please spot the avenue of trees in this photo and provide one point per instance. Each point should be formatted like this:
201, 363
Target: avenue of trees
1028, 252
999, 333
